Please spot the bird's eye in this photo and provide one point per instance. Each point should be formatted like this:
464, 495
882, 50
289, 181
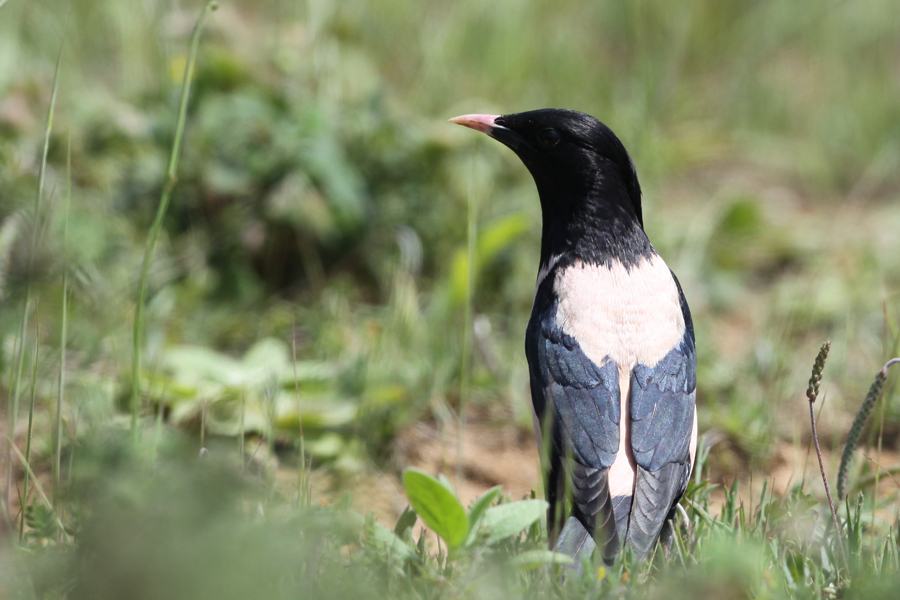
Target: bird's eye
549, 138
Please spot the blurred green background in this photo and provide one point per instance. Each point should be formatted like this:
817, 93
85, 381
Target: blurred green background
317, 238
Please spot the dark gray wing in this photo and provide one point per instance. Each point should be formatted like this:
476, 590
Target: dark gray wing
663, 398
577, 403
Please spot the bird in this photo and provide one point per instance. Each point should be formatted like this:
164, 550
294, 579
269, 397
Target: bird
609, 343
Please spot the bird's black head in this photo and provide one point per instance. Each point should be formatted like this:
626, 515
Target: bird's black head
572, 156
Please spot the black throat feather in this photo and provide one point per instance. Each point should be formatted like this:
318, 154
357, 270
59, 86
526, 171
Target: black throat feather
596, 221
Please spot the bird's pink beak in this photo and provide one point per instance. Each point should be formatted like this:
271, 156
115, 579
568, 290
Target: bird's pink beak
482, 123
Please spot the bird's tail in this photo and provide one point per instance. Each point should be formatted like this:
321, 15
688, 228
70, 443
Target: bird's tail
575, 541
655, 494
622, 510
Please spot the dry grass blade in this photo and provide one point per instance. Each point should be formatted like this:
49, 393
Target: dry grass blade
37, 484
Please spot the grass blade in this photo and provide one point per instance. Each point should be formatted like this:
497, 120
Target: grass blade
63, 334
37, 483
34, 363
304, 490
465, 370
156, 227
13, 411
12, 408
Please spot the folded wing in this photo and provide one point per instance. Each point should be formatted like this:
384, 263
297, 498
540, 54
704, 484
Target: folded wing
578, 404
663, 399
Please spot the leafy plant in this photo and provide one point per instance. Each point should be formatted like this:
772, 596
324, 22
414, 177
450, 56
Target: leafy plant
434, 501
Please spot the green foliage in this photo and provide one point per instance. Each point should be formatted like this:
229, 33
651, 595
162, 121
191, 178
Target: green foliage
437, 506
507, 520
322, 197
179, 527
320, 185
42, 522
477, 511
263, 384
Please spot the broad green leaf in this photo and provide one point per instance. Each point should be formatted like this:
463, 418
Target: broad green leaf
268, 358
476, 511
437, 506
324, 413
308, 371
193, 364
325, 446
535, 559
446, 483
507, 520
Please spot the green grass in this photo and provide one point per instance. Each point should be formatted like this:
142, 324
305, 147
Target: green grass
179, 527
336, 263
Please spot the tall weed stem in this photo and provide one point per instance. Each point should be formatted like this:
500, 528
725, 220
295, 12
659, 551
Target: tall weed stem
13, 405
875, 392
812, 392
156, 227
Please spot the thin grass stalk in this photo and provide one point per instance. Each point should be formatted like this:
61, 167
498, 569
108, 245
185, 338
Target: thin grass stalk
465, 375
203, 406
156, 227
837, 527
157, 426
12, 409
4, 513
304, 493
63, 334
28, 436
241, 439
13, 414
72, 426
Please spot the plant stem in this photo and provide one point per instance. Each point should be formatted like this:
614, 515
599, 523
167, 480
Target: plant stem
12, 411
837, 527
156, 227
241, 440
889, 328
875, 392
304, 491
34, 362
13, 414
63, 334
812, 393
465, 375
